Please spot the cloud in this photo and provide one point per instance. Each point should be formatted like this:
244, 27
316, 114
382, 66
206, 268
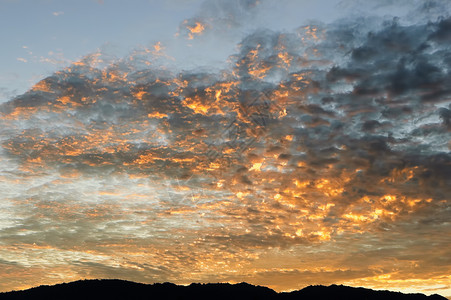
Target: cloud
332, 137
217, 16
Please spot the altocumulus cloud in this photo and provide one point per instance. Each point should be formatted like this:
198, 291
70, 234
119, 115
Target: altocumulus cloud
313, 147
219, 16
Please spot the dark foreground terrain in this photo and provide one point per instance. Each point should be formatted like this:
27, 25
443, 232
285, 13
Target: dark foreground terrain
120, 289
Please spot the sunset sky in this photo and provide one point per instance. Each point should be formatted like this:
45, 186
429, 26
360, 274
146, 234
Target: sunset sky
282, 143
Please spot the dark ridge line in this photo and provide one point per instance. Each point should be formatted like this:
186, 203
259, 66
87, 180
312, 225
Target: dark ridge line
123, 289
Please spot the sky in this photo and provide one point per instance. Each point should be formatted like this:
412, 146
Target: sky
282, 143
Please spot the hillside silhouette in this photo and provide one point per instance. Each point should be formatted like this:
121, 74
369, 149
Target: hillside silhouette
110, 289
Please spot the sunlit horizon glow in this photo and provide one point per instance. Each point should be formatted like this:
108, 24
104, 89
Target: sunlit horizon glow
317, 155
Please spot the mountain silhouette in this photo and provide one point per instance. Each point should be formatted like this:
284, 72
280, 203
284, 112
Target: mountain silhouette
110, 289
